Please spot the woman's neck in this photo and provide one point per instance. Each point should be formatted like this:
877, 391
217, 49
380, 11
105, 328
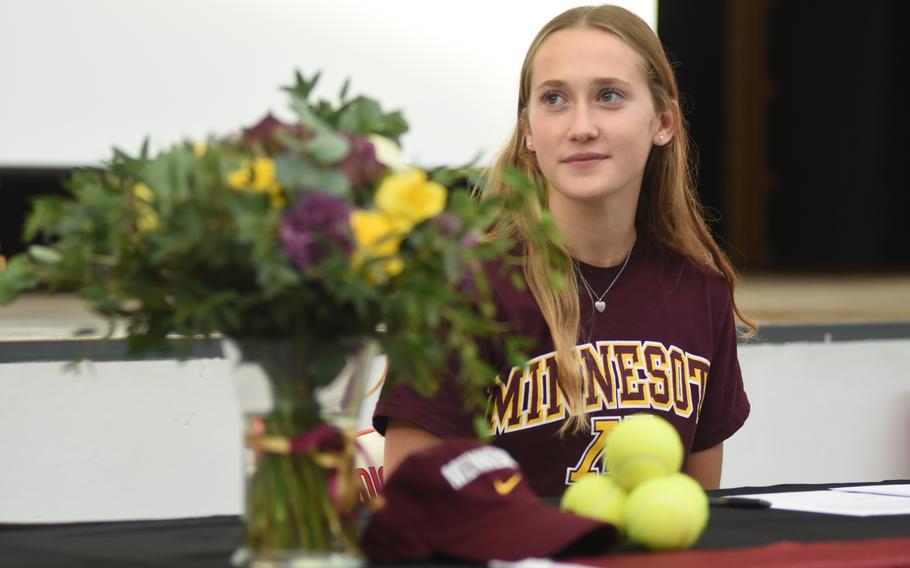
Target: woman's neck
599, 234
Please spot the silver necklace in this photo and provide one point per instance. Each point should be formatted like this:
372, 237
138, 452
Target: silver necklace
599, 304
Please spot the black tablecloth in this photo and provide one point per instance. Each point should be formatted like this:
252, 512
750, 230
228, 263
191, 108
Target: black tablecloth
209, 542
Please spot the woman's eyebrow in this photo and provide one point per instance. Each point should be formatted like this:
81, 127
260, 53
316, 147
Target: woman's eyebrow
598, 81
610, 81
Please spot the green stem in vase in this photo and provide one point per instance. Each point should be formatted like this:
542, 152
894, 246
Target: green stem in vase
314, 492
297, 512
306, 522
258, 518
290, 507
282, 527
297, 505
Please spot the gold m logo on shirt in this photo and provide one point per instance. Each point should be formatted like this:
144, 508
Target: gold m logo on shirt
622, 375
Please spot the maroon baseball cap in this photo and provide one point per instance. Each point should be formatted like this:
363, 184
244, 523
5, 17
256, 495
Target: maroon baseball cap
465, 500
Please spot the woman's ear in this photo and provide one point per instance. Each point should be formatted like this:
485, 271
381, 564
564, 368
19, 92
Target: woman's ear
528, 137
666, 125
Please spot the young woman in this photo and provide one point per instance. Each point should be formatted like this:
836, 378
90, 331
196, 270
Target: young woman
646, 322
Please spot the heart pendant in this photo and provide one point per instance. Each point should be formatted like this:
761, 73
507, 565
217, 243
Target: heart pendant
600, 306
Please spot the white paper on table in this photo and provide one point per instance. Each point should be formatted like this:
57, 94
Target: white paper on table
898, 489
837, 502
531, 563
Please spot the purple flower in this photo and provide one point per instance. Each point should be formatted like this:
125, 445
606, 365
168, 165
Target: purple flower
470, 240
448, 223
317, 224
360, 166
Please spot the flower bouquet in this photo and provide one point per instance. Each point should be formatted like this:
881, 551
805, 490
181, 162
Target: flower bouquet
312, 245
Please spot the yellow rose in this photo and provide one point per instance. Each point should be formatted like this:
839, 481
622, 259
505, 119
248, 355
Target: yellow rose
259, 177
375, 233
143, 192
240, 178
377, 236
409, 196
147, 217
199, 149
393, 266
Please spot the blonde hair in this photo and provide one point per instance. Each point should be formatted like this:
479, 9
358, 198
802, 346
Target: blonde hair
668, 210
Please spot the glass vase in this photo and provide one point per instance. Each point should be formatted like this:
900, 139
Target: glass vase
301, 500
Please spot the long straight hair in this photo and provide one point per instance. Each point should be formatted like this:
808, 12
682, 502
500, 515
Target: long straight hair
668, 210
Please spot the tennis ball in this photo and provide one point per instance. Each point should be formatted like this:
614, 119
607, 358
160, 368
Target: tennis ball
642, 447
666, 513
597, 497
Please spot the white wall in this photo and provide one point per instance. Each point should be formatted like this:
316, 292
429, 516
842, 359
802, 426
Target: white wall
124, 440
117, 440
823, 412
161, 439
82, 75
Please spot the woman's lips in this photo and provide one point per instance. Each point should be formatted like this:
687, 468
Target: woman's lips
585, 159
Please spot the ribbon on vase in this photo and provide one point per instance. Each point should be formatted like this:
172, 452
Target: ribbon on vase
329, 447
325, 444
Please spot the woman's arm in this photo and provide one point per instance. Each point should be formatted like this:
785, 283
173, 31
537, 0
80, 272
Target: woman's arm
402, 438
703, 466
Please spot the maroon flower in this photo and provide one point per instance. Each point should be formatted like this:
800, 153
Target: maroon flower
264, 133
317, 224
360, 166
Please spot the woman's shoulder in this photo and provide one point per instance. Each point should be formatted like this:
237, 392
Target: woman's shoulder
688, 269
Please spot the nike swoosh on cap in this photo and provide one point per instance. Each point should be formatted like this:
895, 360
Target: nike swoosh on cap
506, 487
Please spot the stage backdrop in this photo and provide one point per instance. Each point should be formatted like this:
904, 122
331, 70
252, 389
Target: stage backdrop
82, 75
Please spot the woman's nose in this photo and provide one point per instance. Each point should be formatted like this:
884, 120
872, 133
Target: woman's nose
582, 127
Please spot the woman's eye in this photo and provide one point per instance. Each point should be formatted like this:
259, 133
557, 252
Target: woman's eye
552, 98
610, 96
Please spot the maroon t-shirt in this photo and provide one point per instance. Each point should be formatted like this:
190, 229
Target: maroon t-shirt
665, 344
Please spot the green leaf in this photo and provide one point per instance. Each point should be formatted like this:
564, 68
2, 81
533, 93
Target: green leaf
557, 281
309, 118
302, 87
516, 179
392, 126
344, 90
18, 276
518, 281
364, 116
292, 142
361, 116
328, 148
45, 255
295, 173
171, 177
48, 211
482, 428
144, 150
